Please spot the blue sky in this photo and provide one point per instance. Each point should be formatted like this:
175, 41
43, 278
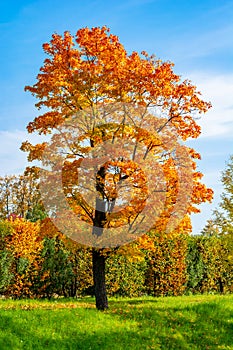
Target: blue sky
195, 35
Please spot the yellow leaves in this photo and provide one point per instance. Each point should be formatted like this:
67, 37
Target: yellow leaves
167, 262
185, 226
132, 252
25, 240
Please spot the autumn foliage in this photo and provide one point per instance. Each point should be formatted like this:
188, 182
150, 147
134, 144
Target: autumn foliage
117, 165
97, 93
54, 266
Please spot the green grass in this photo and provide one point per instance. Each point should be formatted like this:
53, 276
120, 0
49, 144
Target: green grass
190, 322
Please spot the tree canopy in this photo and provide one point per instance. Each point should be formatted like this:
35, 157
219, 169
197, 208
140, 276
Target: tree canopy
116, 166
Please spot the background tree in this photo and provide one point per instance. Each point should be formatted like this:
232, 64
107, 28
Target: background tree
223, 218
220, 229
20, 196
20, 256
166, 273
65, 266
98, 95
6, 257
7, 197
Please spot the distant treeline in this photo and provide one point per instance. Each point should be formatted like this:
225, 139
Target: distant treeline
36, 261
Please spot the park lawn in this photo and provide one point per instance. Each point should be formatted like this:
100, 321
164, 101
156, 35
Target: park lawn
188, 322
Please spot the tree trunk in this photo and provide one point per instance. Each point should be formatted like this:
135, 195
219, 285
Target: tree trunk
98, 260
98, 263
221, 285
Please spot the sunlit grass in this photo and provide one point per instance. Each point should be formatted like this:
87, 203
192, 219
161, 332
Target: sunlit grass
190, 322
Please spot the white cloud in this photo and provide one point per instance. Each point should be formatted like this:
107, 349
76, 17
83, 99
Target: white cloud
13, 160
217, 133
218, 89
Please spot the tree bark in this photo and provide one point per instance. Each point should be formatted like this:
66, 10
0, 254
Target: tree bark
221, 285
98, 260
98, 263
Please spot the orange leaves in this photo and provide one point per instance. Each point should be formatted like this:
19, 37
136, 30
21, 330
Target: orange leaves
186, 126
108, 106
97, 68
43, 124
194, 154
58, 42
201, 193
48, 229
96, 41
35, 152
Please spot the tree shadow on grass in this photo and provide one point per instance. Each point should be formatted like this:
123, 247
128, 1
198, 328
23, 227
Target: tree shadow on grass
16, 338
123, 334
134, 301
196, 326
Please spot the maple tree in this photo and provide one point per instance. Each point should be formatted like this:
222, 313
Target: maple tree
117, 166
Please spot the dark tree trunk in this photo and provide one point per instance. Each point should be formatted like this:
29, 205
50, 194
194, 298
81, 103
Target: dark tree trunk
221, 285
98, 262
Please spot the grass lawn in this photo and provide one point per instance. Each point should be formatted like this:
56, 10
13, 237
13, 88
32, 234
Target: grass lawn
189, 322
